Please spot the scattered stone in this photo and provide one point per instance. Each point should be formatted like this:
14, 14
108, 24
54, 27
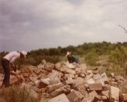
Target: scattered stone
54, 77
75, 96
43, 83
94, 96
49, 66
90, 81
60, 98
114, 93
119, 79
95, 87
65, 82
124, 97
106, 93
53, 87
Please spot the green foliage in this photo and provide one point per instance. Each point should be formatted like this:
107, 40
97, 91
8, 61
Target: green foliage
91, 51
91, 58
117, 56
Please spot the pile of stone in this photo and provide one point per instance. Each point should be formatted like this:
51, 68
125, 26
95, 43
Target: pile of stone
65, 82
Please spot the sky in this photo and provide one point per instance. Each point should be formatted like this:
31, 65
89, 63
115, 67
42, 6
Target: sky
37, 24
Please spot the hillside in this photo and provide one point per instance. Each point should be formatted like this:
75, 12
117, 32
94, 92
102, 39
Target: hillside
45, 74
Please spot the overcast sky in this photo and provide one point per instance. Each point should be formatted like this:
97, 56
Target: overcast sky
35, 24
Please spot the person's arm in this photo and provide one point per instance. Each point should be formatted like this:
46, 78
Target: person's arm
12, 62
13, 66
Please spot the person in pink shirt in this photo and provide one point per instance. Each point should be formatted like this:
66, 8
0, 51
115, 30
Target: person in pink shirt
9, 59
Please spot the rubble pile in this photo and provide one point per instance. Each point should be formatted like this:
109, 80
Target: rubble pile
65, 82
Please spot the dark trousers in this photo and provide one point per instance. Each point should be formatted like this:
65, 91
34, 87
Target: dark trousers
5, 65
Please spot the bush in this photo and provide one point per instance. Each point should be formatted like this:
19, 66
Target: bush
91, 58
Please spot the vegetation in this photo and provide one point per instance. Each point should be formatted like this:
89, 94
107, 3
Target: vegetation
16, 94
89, 52
109, 57
91, 58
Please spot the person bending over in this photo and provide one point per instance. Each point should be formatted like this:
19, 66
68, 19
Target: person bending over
72, 58
8, 60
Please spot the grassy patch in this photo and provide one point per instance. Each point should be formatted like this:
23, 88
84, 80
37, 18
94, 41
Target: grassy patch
16, 94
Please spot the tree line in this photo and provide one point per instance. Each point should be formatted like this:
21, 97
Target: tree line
115, 51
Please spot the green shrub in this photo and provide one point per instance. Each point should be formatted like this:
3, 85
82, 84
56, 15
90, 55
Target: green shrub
91, 58
118, 58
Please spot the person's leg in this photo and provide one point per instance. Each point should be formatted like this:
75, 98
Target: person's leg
5, 65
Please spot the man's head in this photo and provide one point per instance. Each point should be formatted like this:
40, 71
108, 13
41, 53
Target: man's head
23, 54
68, 53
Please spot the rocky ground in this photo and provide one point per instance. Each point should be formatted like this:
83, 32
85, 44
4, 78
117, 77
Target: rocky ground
65, 82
